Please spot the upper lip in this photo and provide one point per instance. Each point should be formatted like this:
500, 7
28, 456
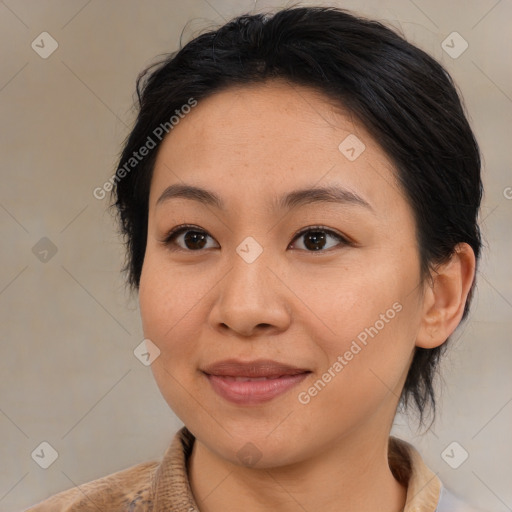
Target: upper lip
252, 369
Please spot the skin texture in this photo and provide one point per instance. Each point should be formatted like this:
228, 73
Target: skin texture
250, 145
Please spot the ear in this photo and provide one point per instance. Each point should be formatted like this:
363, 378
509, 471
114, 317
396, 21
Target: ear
445, 297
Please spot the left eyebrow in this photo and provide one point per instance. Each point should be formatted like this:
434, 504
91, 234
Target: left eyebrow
329, 194
294, 199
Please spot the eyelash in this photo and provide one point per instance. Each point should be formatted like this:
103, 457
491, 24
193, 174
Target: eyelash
183, 228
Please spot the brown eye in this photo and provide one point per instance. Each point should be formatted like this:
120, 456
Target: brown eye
317, 239
188, 239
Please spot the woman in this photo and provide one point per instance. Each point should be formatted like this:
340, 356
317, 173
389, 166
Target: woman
299, 197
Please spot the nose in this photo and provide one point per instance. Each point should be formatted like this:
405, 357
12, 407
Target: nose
251, 299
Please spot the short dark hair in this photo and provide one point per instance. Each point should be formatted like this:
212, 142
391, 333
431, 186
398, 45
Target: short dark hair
405, 99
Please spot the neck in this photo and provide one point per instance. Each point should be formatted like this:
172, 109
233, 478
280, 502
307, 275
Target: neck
353, 474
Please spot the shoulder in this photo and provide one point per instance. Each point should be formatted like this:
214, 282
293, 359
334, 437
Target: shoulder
127, 490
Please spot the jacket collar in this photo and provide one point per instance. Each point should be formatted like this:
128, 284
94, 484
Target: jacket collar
171, 486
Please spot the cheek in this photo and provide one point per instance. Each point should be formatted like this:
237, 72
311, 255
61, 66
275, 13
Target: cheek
172, 306
365, 368
163, 307
166, 302
345, 302
366, 324
167, 296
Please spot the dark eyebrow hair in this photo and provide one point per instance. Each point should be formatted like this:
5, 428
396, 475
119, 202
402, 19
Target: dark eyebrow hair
294, 199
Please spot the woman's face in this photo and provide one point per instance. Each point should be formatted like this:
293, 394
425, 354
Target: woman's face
340, 302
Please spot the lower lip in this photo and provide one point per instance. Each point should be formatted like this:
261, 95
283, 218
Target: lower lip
253, 392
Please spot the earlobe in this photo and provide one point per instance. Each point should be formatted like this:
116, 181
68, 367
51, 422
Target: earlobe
445, 297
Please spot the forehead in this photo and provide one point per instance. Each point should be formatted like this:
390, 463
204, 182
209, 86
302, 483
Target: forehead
272, 138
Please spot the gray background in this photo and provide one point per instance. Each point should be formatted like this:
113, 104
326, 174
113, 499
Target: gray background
68, 327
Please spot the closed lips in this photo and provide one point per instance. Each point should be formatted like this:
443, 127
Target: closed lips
262, 369
253, 379
252, 383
